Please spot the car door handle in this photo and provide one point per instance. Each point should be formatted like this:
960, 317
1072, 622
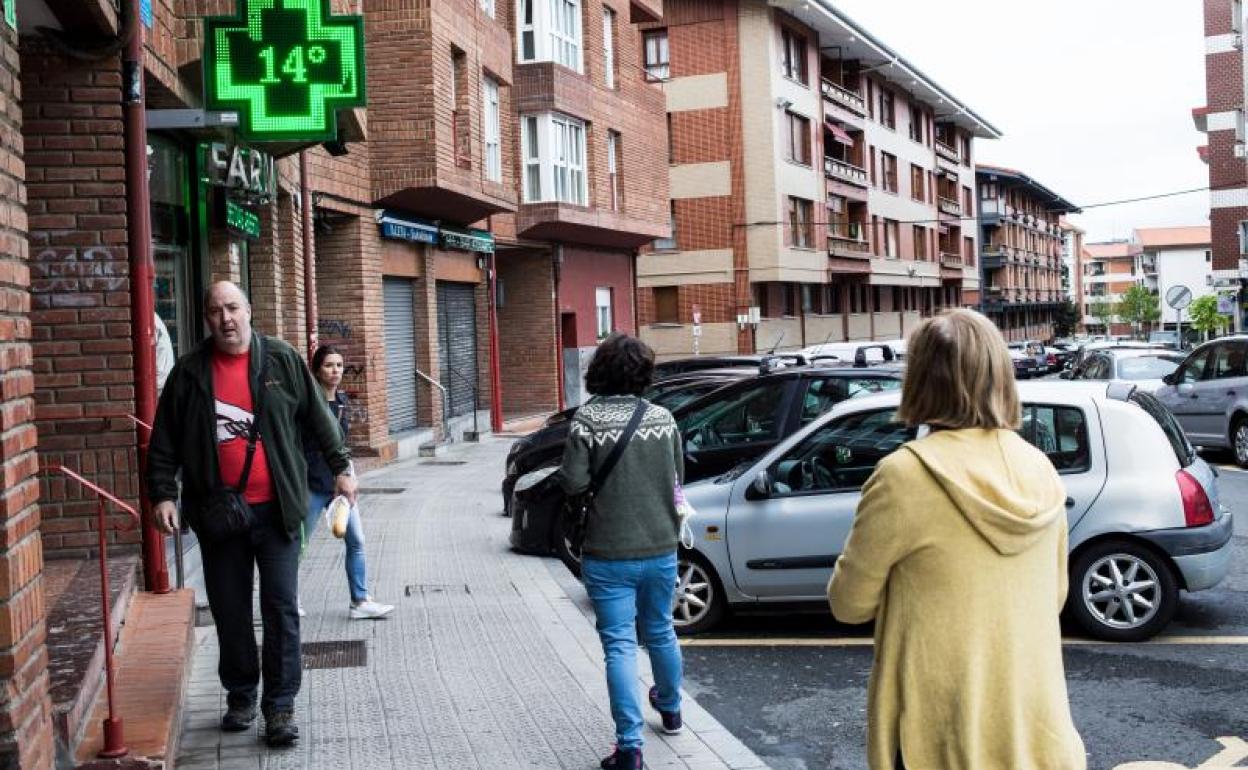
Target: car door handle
1070, 502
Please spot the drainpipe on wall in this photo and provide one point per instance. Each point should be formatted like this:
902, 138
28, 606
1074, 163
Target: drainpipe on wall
496, 376
556, 263
142, 289
309, 255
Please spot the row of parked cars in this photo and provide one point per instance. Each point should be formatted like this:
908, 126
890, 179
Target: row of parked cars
778, 448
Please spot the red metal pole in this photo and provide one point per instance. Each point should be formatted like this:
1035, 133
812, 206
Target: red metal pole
142, 302
496, 377
309, 255
114, 737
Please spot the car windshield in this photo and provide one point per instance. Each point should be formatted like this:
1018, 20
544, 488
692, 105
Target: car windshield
1147, 367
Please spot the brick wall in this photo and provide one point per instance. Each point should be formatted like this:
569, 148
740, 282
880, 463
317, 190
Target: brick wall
80, 291
25, 711
429, 400
526, 334
1224, 87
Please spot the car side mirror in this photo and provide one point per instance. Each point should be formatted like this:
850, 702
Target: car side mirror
1067, 375
759, 488
1168, 379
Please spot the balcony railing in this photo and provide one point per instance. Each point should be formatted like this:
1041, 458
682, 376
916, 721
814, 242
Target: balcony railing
846, 246
846, 172
948, 153
949, 206
950, 259
851, 100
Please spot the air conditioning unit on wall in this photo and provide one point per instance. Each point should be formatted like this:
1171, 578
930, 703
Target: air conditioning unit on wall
1237, 42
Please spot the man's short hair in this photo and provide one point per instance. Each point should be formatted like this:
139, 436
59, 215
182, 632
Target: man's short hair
959, 375
622, 365
208, 294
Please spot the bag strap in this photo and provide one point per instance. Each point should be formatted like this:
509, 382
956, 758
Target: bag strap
600, 478
257, 407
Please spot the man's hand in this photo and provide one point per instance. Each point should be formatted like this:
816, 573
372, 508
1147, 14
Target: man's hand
166, 516
346, 485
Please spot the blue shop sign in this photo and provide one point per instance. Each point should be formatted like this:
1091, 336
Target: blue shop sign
402, 228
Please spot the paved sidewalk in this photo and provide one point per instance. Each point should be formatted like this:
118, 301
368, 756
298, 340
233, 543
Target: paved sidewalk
489, 661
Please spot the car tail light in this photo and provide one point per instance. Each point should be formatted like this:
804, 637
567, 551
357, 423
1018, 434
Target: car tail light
1197, 510
1052, 359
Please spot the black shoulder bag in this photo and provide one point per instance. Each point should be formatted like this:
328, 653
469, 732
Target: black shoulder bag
578, 508
226, 512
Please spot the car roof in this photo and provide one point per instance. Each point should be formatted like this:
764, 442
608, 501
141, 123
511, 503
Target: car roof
1057, 391
1142, 352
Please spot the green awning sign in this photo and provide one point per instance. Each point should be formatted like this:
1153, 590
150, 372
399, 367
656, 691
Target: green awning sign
479, 241
242, 221
286, 66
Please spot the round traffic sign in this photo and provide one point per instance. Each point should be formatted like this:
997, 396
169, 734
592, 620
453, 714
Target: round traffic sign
1178, 297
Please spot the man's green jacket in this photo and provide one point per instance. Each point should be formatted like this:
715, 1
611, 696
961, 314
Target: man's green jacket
185, 434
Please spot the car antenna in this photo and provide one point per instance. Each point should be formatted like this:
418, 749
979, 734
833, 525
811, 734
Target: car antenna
776, 344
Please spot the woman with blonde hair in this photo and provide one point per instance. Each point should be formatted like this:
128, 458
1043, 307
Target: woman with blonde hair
958, 553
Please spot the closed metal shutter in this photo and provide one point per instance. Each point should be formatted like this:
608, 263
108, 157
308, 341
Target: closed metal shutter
457, 354
400, 353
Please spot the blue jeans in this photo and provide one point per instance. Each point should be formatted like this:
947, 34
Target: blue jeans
628, 595
357, 581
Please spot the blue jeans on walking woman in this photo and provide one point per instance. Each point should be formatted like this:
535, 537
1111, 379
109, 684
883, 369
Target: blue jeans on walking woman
356, 576
632, 594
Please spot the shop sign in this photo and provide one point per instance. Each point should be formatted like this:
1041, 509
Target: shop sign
242, 221
286, 66
479, 241
242, 169
404, 229
10, 13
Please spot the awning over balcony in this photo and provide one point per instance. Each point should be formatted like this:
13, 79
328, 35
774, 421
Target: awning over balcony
840, 134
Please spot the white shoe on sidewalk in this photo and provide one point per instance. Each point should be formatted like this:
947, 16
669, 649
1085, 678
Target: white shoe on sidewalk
370, 610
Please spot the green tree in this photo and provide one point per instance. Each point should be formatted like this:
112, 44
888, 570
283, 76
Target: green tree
1139, 307
1065, 319
1103, 312
1205, 317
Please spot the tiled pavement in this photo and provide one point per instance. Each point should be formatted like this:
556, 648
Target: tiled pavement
489, 661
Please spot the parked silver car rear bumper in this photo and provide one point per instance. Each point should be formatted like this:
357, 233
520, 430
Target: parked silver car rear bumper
1202, 554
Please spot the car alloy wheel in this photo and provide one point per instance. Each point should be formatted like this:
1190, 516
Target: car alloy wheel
699, 601
1241, 443
1121, 591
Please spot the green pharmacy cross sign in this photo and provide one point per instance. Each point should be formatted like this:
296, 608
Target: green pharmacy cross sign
286, 66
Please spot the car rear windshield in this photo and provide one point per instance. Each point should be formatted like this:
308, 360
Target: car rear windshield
1147, 367
1183, 450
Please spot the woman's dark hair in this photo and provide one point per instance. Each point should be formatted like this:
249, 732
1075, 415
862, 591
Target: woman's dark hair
323, 352
621, 366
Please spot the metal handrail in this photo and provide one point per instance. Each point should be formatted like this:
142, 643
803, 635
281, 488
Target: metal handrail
445, 396
114, 738
476, 405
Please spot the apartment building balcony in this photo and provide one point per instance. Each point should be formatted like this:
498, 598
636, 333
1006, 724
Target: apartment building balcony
845, 172
589, 225
994, 256
994, 297
991, 212
951, 260
945, 152
848, 247
850, 100
949, 206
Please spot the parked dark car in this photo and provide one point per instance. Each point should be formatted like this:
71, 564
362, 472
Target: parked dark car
694, 364
722, 429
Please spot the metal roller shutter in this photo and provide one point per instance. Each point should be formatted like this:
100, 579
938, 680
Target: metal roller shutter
400, 353
457, 354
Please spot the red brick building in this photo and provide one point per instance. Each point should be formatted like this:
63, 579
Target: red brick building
1222, 121
820, 183
1109, 269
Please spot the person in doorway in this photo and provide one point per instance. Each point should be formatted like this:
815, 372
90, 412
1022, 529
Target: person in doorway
229, 421
164, 352
327, 368
962, 680
629, 561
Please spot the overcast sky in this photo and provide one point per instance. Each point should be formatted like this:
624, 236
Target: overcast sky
1094, 97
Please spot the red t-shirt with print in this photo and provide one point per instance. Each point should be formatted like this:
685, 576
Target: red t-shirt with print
231, 379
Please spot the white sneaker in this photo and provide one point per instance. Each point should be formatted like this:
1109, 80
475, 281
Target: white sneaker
370, 610
299, 606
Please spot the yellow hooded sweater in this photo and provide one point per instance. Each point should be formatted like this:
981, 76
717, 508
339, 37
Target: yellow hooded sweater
958, 552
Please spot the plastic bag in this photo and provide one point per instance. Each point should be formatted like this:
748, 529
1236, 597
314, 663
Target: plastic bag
684, 511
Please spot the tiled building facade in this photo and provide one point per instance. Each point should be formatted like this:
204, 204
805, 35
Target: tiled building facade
1109, 269
1020, 252
822, 187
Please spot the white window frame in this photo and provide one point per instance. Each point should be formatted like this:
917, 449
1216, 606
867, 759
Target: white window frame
492, 130
608, 46
488, 7
553, 34
661, 69
559, 159
613, 167
604, 312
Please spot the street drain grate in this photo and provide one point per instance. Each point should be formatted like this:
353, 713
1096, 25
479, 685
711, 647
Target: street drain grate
382, 490
420, 589
445, 462
344, 654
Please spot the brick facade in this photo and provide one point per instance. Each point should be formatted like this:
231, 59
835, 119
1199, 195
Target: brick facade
1224, 89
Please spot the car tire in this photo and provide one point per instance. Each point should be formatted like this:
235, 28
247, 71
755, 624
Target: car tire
1111, 570
1239, 443
700, 602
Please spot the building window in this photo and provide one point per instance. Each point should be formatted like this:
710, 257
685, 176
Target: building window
657, 63
667, 304
608, 46
488, 7
554, 158
794, 56
888, 169
966, 202
801, 227
888, 109
550, 30
968, 251
668, 243
916, 123
916, 182
492, 132
613, 167
798, 142
602, 311
892, 236
920, 243
966, 150
1237, 16
1243, 236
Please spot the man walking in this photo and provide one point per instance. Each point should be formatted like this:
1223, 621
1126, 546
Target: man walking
229, 420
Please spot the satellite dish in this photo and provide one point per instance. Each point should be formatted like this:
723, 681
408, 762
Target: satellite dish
1178, 297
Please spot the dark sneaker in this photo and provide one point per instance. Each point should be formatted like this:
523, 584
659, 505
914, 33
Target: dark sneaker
672, 723
623, 759
280, 729
238, 718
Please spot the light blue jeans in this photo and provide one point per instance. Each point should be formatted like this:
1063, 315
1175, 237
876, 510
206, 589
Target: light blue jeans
630, 595
356, 573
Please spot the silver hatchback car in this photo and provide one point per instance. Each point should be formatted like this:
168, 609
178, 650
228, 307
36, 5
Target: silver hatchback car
1143, 510
1208, 395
